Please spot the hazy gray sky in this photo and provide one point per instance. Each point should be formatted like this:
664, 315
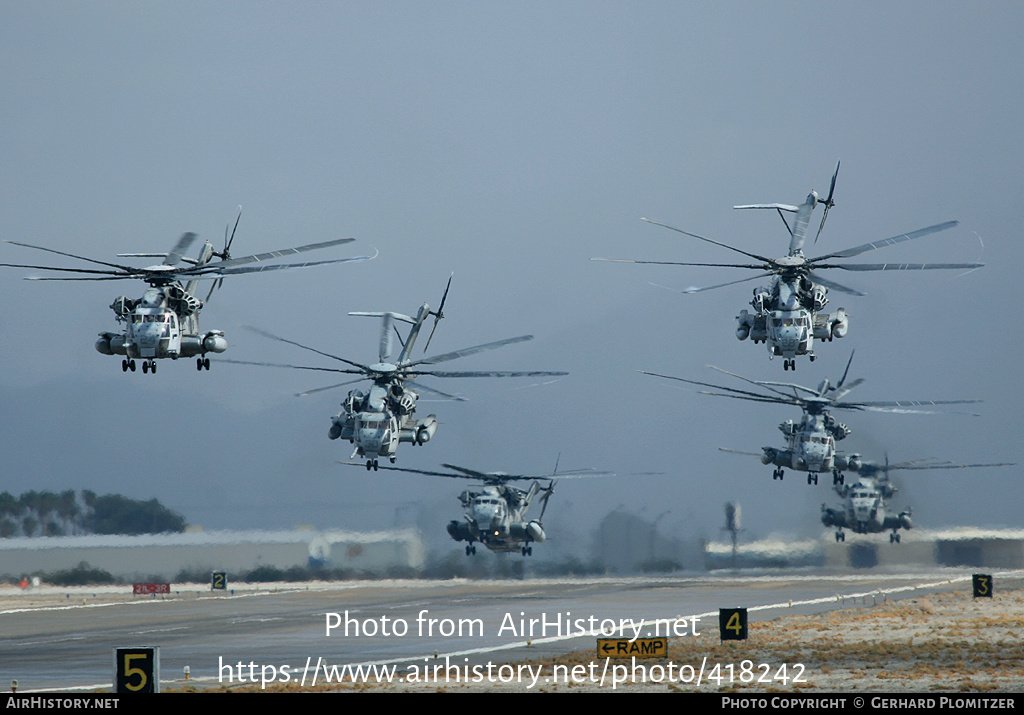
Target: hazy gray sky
509, 143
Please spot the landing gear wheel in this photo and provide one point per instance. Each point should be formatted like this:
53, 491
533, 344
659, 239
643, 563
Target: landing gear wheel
131, 365
145, 366
812, 478
369, 464
470, 550
124, 366
811, 357
778, 473
152, 366
375, 465
199, 363
837, 477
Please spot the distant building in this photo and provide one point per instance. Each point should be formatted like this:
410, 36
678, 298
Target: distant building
128, 557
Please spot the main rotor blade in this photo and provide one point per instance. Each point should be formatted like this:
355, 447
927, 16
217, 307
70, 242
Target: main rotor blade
472, 473
54, 278
469, 351
270, 255
490, 373
702, 238
738, 394
108, 275
941, 465
684, 263
330, 387
265, 334
420, 386
214, 270
736, 451
903, 406
771, 385
293, 367
833, 285
902, 266
699, 289
406, 469
127, 269
874, 245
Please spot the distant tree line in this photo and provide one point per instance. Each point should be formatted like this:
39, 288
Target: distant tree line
45, 513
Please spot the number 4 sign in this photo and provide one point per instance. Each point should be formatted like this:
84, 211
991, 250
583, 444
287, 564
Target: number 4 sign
732, 624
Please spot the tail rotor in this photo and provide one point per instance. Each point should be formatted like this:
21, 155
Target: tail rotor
828, 202
439, 314
226, 253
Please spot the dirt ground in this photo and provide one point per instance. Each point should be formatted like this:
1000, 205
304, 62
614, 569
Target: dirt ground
946, 642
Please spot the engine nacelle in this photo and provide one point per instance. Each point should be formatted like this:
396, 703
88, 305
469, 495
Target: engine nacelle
459, 530
840, 323
214, 342
425, 431
335, 430
527, 531
768, 457
745, 320
355, 402
122, 307
819, 297
828, 516
111, 344
854, 462
761, 301
536, 531
905, 521
103, 344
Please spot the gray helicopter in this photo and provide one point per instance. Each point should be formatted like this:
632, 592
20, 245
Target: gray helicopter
376, 422
811, 443
864, 510
496, 511
164, 322
788, 313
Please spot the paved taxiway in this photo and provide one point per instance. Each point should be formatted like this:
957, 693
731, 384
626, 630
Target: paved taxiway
68, 643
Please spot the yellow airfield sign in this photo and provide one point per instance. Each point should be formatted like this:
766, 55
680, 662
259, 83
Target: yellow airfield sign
626, 648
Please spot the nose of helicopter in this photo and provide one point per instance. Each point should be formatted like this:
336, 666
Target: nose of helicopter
147, 338
788, 337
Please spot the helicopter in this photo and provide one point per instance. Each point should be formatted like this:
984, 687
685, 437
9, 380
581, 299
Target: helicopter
376, 422
496, 511
864, 510
789, 312
811, 443
164, 322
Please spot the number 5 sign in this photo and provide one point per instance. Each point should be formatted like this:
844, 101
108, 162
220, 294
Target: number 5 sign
137, 670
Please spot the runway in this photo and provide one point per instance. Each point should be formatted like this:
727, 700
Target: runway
264, 634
